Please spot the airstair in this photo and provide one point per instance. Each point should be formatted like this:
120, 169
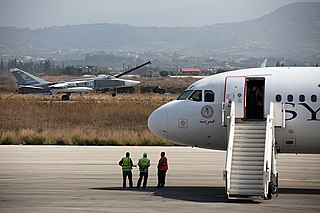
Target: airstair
250, 169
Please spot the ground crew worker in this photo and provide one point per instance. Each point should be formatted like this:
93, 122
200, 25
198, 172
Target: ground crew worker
126, 163
162, 170
143, 164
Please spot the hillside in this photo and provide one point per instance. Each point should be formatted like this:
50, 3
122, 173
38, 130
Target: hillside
291, 31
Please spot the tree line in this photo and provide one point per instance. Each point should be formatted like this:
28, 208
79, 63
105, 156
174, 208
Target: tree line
48, 68
45, 67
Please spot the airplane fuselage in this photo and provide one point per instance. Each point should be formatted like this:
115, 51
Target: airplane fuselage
195, 118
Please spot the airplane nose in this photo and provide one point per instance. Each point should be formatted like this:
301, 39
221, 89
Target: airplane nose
158, 123
131, 83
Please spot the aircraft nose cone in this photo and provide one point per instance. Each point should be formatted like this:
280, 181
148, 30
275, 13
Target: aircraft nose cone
131, 83
158, 123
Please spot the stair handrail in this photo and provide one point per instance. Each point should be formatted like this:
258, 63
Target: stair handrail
269, 139
223, 114
231, 127
283, 115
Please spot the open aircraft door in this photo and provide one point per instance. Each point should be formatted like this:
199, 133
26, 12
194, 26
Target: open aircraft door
234, 90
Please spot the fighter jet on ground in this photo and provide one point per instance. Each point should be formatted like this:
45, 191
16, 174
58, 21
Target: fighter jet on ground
30, 84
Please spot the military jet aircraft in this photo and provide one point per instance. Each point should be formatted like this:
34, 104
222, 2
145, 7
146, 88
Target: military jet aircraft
30, 84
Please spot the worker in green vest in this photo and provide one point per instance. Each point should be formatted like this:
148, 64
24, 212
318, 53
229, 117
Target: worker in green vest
143, 164
126, 163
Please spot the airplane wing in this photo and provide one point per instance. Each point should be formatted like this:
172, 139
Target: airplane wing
128, 71
30, 87
71, 90
69, 87
66, 84
59, 85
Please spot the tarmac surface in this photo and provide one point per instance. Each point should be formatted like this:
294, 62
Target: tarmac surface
88, 179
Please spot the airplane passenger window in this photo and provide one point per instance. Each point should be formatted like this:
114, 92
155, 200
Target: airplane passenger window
313, 98
302, 98
278, 98
196, 96
290, 98
208, 96
185, 95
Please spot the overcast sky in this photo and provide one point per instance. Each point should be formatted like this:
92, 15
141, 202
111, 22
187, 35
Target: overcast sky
169, 13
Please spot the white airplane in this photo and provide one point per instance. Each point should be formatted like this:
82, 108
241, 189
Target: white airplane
253, 114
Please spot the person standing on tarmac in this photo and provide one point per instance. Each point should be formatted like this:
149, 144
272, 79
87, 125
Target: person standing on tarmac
126, 163
143, 164
162, 170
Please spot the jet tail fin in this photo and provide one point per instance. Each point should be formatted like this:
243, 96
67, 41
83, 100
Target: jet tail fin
25, 78
264, 63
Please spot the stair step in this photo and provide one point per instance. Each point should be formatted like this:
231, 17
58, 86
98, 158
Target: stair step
249, 192
250, 140
247, 186
236, 163
235, 183
249, 131
249, 136
248, 168
236, 177
252, 177
248, 154
248, 158
246, 172
246, 126
247, 148
248, 123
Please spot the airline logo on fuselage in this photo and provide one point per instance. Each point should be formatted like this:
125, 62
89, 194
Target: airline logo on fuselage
313, 113
207, 112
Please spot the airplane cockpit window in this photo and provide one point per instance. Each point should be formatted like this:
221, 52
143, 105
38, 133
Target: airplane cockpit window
196, 96
208, 96
185, 95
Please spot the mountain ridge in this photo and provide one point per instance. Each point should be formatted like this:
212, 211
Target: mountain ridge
290, 31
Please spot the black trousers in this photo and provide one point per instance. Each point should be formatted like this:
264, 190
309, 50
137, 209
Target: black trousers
126, 174
161, 178
143, 175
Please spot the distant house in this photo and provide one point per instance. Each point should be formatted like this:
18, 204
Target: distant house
190, 71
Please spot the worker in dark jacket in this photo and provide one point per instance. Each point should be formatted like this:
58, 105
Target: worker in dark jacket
162, 170
126, 163
143, 164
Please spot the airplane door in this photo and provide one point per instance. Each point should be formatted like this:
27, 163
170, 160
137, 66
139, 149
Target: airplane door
235, 91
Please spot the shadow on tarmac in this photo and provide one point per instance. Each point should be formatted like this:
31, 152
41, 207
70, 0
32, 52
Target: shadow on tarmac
204, 194
186, 193
299, 191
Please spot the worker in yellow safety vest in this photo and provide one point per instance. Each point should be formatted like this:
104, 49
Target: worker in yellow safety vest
144, 164
126, 163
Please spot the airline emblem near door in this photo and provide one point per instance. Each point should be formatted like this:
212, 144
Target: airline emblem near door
207, 112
